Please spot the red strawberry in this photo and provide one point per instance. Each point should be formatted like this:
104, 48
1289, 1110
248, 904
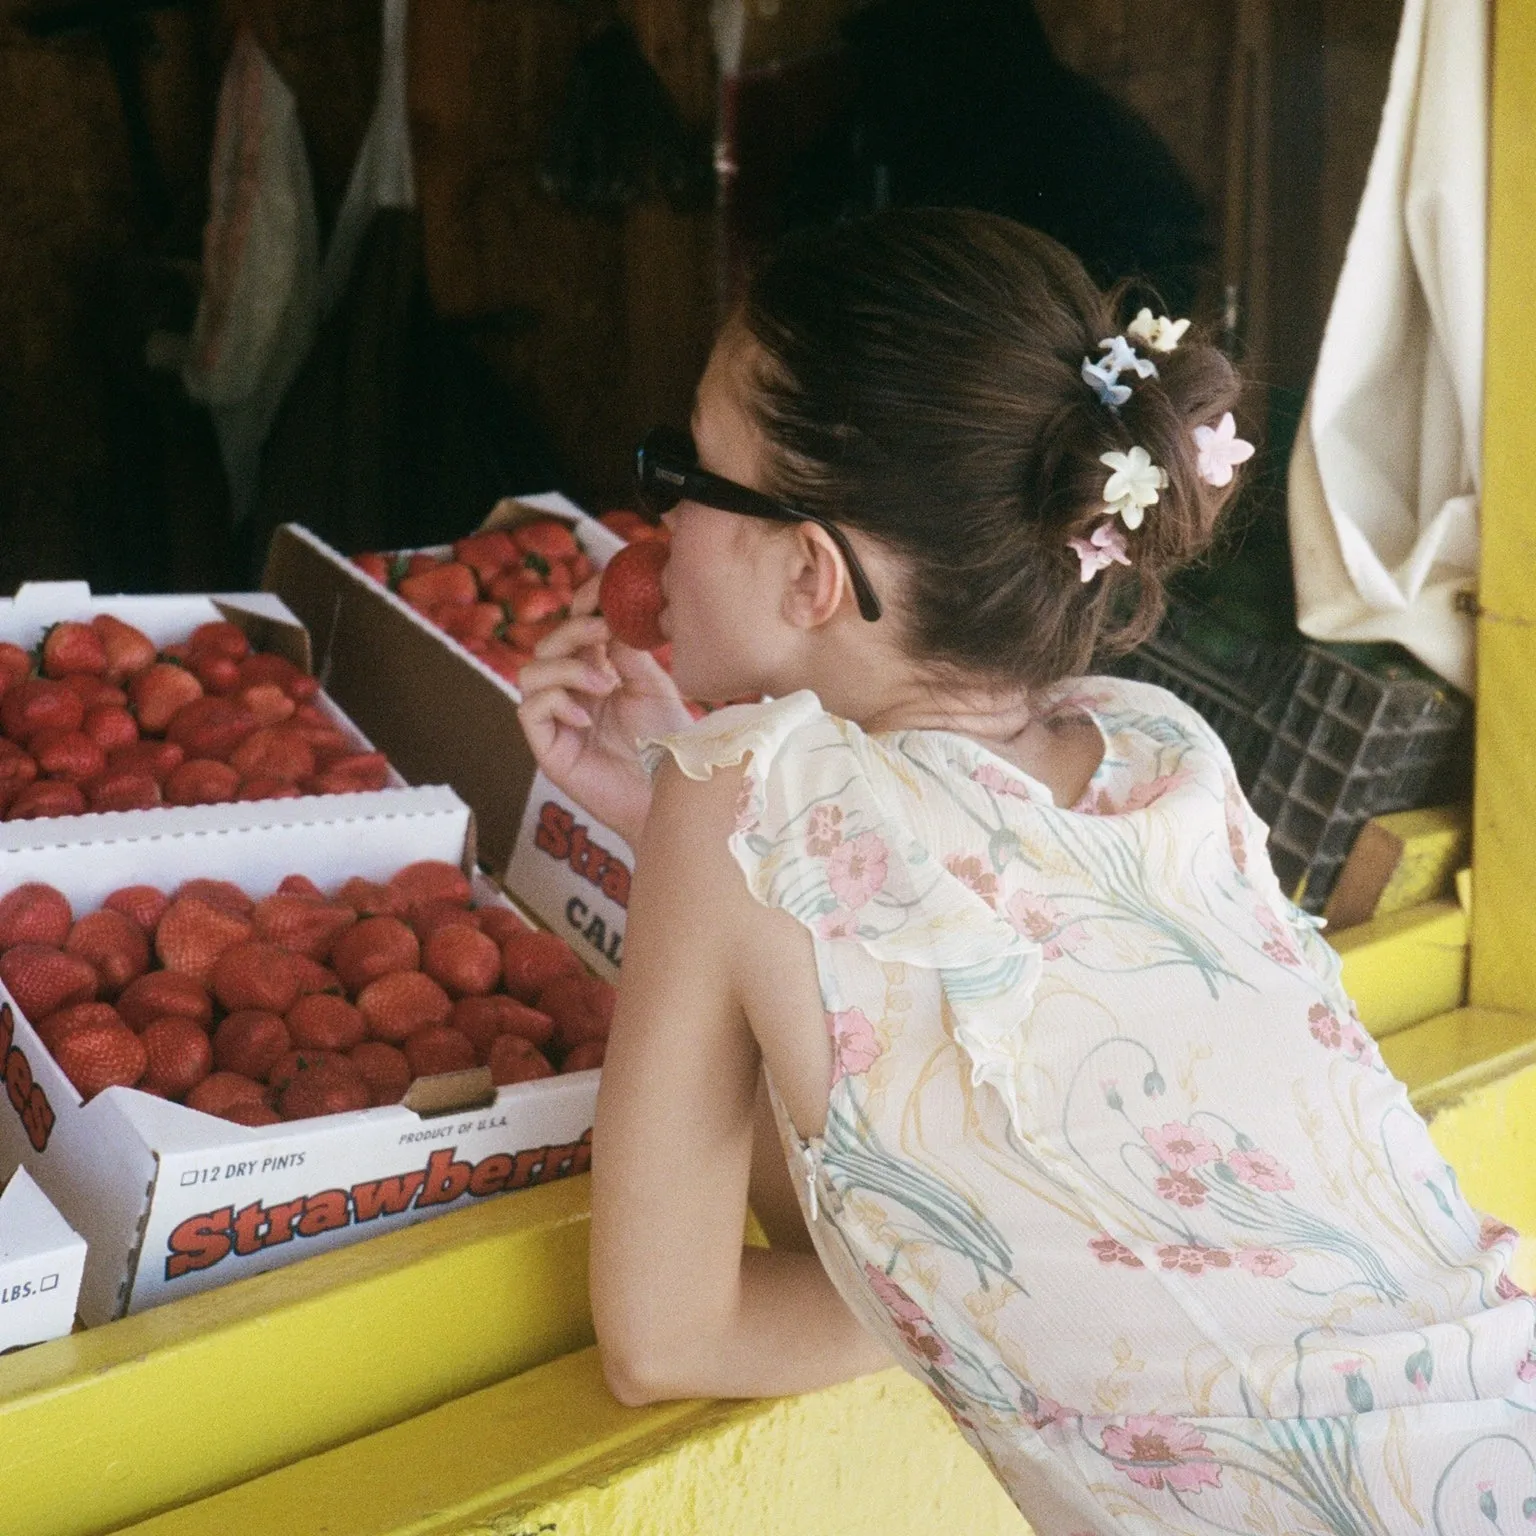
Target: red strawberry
583, 1057
99, 1056
631, 598
114, 944
370, 899
513, 1059
129, 651
201, 781
373, 565
92, 691
35, 913
71, 647
251, 1042
486, 553
37, 704
399, 1004
546, 537
506, 661
476, 621
66, 1021
274, 752
219, 675
581, 1006
502, 923
224, 894
526, 637
180, 1057
219, 638
375, 947
626, 523
314, 977
156, 758
438, 1049
193, 934
165, 994
323, 1022
427, 916
266, 703
210, 727
123, 792
430, 879
302, 924
290, 1065
299, 885
353, 774
158, 693
420, 564
267, 667
250, 1112
383, 1068
482, 1019
267, 789
17, 770
534, 602
463, 961
70, 755
143, 903
46, 797
256, 975
446, 583
110, 726
15, 664
330, 1087
530, 960
220, 1092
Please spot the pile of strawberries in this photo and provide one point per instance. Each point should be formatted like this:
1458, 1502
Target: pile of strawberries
504, 589
297, 1004
99, 720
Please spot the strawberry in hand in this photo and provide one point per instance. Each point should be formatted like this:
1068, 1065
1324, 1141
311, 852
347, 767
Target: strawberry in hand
630, 596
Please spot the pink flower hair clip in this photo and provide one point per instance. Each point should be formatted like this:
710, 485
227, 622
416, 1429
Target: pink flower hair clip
1221, 450
1103, 547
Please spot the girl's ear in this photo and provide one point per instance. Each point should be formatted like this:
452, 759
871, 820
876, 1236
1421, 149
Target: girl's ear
818, 579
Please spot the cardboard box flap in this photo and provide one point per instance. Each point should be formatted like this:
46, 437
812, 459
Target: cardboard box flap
29, 1224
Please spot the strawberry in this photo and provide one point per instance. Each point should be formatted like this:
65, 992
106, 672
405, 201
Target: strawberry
530, 960
145, 904
17, 770
506, 661
482, 1019
15, 664
224, 894
546, 537
314, 977
193, 933
438, 1049
266, 703
37, 704
256, 975
627, 524
486, 553
534, 602
330, 1087
427, 916
180, 1057
252, 1113
73, 647
92, 691
513, 1059
133, 791
219, 638
46, 797
291, 1064
156, 694
110, 726
526, 637
35, 913
300, 885
129, 651
399, 1004
66, 1021
581, 1006
98, 1056
209, 727
370, 899
201, 781
251, 1042
502, 923
156, 758
631, 598
476, 621
383, 1068
375, 947
463, 961
114, 944
267, 789
322, 1022
220, 1092
274, 752
583, 1057
419, 564
580, 570
268, 667
301, 923
70, 755
165, 994
432, 878
353, 774
374, 566
219, 675
447, 583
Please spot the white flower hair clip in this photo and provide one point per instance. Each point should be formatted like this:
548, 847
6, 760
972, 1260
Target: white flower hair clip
1221, 450
1133, 486
1103, 547
1157, 332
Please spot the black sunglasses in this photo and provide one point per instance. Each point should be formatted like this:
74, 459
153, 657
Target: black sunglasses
667, 472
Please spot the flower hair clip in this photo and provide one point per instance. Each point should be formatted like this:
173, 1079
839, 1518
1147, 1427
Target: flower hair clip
1221, 450
1134, 485
1159, 333
1103, 547
1103, 376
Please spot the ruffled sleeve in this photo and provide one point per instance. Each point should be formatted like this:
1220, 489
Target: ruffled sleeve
843, 833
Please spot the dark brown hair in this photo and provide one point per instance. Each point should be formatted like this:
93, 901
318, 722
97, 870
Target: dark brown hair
920, 380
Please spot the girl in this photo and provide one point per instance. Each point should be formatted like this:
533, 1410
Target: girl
1082, 1125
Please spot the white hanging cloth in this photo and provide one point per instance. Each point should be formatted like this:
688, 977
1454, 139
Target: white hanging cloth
1386, 470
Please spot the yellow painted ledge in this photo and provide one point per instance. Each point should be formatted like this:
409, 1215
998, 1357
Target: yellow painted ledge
1406, 967
552, 1452
107, 1426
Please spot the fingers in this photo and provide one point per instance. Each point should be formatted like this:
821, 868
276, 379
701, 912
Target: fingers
584, 601
577, 674
545, 718
574, 635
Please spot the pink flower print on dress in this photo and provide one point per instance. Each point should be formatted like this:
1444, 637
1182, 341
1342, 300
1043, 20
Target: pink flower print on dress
1491, 1232
970, 871
1111, 1250
856, 869
1268, 1263
1182, 1188
1193, 1258
854, 1047
1040, 919
1180, 1146
1526, 1370
1326, 1027
911, 1321
824, 832
1153, 790
991, 777
1261, 1169
1158, 1452
839, 923
749, 803
1040, 1412
1279, 945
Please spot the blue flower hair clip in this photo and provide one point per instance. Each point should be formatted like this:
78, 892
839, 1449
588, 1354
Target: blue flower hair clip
1123, 358
1102, 378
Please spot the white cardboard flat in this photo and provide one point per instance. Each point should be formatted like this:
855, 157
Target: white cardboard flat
41, 1261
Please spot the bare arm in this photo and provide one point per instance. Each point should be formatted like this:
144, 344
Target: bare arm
681, 1308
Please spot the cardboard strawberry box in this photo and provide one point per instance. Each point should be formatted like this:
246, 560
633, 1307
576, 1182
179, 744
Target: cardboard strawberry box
41, 1261
443, 716
173, 1201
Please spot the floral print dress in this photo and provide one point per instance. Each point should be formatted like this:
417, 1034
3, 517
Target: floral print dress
1109, 1161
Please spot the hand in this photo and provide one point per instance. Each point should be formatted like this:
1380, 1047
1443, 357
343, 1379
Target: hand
587, 700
